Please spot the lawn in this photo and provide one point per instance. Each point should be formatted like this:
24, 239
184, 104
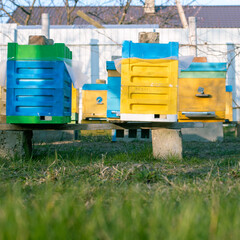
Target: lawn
95, 189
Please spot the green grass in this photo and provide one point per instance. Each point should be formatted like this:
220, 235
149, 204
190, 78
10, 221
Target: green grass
102, 190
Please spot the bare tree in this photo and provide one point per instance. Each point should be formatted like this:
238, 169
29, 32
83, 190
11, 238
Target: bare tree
27, 12
69, 10
7, 8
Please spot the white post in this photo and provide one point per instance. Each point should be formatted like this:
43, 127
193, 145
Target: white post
45, 25
192, 36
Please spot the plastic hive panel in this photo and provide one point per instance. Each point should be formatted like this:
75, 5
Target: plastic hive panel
110, 65
149, 50
148, 100
156, 72
38, 88
113, 97
94, 101
202, 75
75, 100
93, 87
57, 51
213, 101
38, 120
206, 67
229, 88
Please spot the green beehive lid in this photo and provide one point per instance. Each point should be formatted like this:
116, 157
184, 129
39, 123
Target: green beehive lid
57, 51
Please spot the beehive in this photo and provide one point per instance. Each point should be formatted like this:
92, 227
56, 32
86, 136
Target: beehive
38, 92
38, 84
202, 95
149, 90
94, 101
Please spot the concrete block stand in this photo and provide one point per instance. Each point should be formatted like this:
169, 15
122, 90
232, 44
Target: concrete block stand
41, 136
15, 144
167, 143
211, 132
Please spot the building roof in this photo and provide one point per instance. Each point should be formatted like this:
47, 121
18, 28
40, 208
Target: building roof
165, 16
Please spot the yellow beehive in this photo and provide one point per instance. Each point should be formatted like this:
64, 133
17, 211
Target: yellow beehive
75, 100
94, 101
148, 87
202, 99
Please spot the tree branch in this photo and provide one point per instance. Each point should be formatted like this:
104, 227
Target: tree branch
125, 11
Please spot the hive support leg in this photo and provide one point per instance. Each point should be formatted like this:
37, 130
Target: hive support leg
15, 144
167, 143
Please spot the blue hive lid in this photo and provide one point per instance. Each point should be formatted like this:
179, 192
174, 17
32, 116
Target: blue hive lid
94, 86
149, 50
206, 67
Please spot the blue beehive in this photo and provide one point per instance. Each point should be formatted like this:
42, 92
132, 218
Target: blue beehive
38, 92
113, 92
149, 50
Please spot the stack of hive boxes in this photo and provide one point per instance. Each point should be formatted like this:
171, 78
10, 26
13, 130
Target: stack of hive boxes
38, 84
149, 82
202, 93
100, 100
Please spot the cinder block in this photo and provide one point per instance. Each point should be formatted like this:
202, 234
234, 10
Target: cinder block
211, 132
167, 143
128, 135
15, 144
54, 136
